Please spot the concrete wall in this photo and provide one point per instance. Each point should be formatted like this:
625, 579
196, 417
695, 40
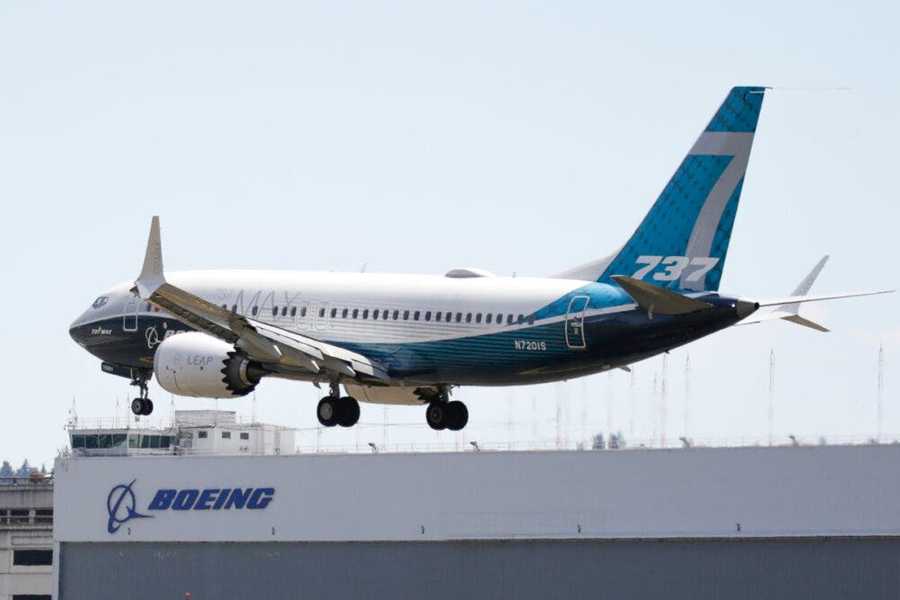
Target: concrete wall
695, 570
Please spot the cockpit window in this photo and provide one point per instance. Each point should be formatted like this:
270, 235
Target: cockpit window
100, 302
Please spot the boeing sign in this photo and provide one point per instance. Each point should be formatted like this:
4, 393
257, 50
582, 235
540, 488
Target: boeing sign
122, 504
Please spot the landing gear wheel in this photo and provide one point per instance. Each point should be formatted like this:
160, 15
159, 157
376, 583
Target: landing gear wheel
437, 415
327, 411
348, 411
459, 415
142, 407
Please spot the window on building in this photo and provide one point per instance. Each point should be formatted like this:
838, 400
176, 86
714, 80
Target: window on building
226, 435
77, 441
154, 441
32, 597
134, 441
202, 435
33, 558
245, 435
91, 442
165, 441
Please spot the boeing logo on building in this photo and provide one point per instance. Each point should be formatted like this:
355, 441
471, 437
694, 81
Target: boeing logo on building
121, 504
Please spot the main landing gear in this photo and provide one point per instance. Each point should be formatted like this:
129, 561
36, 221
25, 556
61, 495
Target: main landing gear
335, 409
441, 414
142, 406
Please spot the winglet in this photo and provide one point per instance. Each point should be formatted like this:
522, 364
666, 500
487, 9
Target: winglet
151, 276
658, 300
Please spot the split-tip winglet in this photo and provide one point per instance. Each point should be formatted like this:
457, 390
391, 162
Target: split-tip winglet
151, 276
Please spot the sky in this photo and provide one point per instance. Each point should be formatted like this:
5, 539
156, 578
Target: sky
416, 137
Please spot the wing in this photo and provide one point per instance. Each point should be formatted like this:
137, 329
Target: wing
261, 341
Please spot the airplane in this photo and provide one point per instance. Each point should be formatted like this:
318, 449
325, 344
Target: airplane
414, 339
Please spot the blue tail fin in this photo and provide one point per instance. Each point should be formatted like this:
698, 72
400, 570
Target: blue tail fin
683, 240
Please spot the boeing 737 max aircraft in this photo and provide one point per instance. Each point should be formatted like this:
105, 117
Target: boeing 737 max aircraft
412, 339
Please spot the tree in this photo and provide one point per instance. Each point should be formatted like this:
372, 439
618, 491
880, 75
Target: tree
6, 470
24, 470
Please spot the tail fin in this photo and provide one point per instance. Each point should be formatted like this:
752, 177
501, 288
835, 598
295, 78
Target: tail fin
683, 240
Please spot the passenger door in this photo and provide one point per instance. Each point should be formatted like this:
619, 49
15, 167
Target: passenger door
575, 323
130, 314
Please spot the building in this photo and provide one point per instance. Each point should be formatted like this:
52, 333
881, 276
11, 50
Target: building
191, 432
733, 523
26, 538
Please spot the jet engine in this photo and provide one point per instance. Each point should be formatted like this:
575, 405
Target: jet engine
199, 365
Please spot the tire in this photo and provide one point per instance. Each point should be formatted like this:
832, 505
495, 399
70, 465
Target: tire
148, 407
327, 411
137, 406
348, 412
459, 415
437, 415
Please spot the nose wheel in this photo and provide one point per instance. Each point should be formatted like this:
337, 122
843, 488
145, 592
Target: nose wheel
142, 406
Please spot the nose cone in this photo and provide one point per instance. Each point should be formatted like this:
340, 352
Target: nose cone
87, 325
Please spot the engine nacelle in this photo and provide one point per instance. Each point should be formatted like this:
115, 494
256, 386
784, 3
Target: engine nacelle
199, 365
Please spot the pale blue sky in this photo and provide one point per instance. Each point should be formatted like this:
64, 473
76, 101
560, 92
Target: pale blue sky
418, 137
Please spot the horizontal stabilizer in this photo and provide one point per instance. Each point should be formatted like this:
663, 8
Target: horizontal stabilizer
657, 300
805, 322
803, 299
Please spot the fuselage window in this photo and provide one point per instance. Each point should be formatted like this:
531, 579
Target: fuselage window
321, 313
375, 315
284, 311
499, 319
396, 314
274, 311
294, 311
344, 313
468, 317
355, 312
448, 317
478, 318
333, 313
488, 318
416, 316
509, 319
234, 308
427, 315
406, 315
366, 314
255, 310
458, 317
521, 319
531, 319
437, 316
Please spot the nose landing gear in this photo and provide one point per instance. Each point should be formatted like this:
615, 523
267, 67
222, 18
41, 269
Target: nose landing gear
142, 406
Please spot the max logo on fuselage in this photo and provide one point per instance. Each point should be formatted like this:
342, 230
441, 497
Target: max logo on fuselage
121, 503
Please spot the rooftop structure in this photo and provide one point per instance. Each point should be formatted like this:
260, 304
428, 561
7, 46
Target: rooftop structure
191, 432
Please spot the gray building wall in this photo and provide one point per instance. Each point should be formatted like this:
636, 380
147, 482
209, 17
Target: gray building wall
818, 568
